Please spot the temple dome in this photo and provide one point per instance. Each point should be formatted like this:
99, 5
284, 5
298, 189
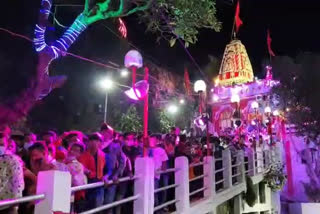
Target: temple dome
236, 66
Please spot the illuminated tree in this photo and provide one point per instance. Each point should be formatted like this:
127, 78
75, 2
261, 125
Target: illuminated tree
165, 122
182, 17
298, 91
130, 121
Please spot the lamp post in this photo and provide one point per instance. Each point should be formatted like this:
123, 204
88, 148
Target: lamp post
255, 106
107, 85
200, 88
133, 60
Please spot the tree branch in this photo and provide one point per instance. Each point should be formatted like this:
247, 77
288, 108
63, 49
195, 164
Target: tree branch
98, 14
138, 8
116, 13
86, 7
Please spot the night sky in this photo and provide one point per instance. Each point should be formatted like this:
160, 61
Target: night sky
293, 25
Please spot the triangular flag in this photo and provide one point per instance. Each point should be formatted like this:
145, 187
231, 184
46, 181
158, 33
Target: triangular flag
237, 17
269, 43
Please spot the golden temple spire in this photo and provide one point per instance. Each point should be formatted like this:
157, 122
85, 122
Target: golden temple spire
235, 67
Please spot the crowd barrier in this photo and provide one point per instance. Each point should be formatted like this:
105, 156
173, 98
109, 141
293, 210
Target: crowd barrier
222, 177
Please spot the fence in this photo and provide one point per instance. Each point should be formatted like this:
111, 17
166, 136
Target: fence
222, 177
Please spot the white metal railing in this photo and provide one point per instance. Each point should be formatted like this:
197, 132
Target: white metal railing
17, 201
198, 178
165, 188
111, 205
101, 184
143, 196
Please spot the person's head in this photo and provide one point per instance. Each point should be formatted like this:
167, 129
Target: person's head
51, 151
94, 142
153, 140
30, 137
173, 130
76, 149
12, 147
107, 132
19, 139
5, 130
129, 139
183, 138
49, 137
38, 153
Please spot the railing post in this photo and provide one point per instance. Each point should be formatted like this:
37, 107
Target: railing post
259, 160
267, 158
251, 162
209, 179
241, 167
181, 178
227, 173
144, 186
56, 185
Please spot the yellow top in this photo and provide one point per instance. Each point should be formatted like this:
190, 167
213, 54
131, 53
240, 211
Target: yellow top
235, 67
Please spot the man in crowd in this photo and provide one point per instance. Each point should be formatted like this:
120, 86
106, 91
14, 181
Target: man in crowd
107, 133
115, 164
160, 158
11, 176
94, 160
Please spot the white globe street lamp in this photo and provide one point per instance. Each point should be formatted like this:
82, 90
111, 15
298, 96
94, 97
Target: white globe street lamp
267, 110
172, 109
124, 72
235, 98
255, 105
276, 113
199, 86
106, 84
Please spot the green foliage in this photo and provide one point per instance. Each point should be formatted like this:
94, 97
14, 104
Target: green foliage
130, 121
250, 196
173, 19
274, 177
165, 122
300, 79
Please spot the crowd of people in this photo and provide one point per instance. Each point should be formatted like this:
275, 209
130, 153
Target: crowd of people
106, 156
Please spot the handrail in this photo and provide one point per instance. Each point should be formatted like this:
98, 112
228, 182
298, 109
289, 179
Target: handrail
220, 181
196, 191
167, 170
14, 201
236, 175
220, 170
164, 205
113, 204
165, 188
197, 178
218, 159
197, 164
237, 164
99, 184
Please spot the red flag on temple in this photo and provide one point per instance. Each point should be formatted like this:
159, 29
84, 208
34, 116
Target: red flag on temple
187, 81
237, 17
269, 44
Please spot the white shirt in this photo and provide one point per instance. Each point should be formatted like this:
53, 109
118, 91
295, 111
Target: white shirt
158, 155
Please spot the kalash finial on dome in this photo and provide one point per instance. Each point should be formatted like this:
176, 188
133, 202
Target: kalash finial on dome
235, 67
